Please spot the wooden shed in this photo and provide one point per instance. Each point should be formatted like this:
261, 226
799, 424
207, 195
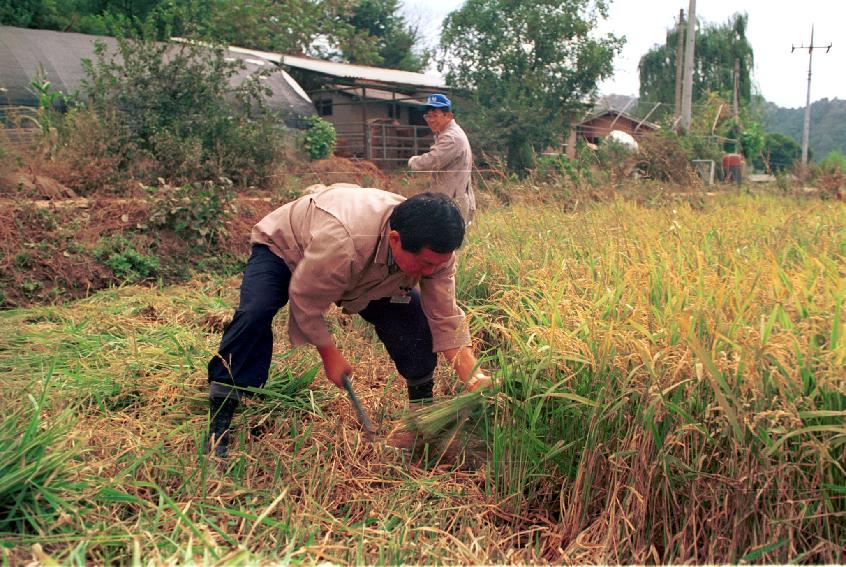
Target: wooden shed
377, 113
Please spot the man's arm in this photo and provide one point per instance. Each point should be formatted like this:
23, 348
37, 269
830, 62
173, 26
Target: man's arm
334, 363
443, 151
319, 280
467, 367
450, 334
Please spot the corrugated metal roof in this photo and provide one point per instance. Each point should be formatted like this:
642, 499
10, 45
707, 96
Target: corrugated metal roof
349, 71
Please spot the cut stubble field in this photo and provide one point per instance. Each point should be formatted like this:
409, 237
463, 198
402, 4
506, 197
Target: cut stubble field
670, 389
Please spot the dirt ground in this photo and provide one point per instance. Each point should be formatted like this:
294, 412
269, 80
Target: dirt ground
49, 234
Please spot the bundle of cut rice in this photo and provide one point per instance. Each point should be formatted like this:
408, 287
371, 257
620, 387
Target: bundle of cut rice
446, 430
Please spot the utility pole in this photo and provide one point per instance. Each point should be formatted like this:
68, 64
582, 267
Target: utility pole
736, 92
679, 64
687, 86
736, 105
806, 131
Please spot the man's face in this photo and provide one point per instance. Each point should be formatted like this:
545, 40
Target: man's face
419, 265
437, 119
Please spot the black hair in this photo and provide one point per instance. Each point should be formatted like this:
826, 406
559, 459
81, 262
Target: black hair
430, 220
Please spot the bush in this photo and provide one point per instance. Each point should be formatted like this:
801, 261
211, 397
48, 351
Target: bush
830, 173
173, 108
126, 263
577, 171
94, 153
662, 156
197, 212
616, 158
320, 138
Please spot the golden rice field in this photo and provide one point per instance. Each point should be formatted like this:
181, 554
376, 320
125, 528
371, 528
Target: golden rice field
670, 389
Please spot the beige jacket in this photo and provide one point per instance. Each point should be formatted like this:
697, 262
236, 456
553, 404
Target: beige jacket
335, 242
450, 161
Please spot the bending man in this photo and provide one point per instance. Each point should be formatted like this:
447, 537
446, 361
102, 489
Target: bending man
367, 251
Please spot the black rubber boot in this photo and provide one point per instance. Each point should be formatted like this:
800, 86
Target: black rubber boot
221, 411
421, 392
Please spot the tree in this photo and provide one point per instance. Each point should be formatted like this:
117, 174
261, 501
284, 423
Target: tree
779, 153
718, 48
99, 17
393, 37
369, 32
527, 67
290, 26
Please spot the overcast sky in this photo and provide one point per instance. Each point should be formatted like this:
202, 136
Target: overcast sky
774, 26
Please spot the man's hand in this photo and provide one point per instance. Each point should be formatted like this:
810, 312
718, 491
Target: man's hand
334, 364
467, 368
478, 381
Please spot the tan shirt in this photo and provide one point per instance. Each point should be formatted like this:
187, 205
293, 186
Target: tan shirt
335, 242
450, 160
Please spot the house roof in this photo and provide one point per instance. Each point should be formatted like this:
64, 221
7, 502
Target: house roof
24, 53
350, 71
617, 113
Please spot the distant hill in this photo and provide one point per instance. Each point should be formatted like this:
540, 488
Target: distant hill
828, 125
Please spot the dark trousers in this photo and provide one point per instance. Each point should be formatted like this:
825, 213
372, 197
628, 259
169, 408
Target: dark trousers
245, 351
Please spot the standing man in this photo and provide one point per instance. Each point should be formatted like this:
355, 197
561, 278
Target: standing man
367, 251
449, 159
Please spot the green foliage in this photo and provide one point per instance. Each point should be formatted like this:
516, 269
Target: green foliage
289, 27
778, 154
752, 140
834, 161
370, 32
387, 38
525, 69
319, 138
173, 107
48, 101
197, 212
717, 49
616, 159
87, 16
126, 263
560, 165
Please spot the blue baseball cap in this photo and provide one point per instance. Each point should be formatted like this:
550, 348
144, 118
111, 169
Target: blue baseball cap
438, 100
